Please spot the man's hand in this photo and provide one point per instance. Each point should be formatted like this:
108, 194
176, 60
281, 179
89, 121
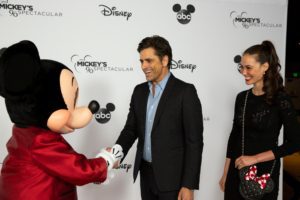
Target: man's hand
186, 194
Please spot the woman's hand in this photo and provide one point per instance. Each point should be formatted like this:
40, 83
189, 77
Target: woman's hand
222, 182
223, 178
244, 161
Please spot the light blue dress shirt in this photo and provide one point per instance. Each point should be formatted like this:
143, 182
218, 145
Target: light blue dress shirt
151, 110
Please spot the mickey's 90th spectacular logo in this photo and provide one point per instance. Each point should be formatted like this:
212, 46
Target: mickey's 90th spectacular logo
21, 9
241, 19
91, 65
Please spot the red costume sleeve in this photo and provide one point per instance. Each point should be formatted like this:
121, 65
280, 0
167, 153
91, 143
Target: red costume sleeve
55, 156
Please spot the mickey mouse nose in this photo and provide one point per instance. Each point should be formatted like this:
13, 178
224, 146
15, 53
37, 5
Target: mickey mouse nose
94, 106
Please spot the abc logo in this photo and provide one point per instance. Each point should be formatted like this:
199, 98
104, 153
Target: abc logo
237, 59
104, 115
184, 16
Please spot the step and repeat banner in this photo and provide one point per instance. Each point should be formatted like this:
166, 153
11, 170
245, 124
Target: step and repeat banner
98, 39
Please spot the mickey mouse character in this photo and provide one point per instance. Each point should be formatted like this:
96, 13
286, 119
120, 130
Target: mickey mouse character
40, 97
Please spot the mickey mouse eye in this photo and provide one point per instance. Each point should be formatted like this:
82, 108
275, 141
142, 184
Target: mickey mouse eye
76, 97
176, 8
190, 8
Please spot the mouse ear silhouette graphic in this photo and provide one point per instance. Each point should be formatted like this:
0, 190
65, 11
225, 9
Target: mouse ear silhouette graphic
176, 8
190, 8
237, 59
110, 107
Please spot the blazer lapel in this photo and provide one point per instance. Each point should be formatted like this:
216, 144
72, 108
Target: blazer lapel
163, 100
143, 103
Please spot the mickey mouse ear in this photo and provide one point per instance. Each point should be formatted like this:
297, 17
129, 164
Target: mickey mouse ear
1, 86
19, 68
2, 51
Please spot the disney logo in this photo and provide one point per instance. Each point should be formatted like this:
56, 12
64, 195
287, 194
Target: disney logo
180, 65
107, 11
125, 166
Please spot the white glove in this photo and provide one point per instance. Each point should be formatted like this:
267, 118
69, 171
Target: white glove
112, 157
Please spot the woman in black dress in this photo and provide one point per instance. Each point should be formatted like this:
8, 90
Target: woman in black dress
268, 107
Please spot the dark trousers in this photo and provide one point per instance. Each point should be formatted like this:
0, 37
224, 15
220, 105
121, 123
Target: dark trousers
149, 189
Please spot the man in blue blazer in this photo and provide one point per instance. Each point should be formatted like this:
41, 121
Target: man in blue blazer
165, 116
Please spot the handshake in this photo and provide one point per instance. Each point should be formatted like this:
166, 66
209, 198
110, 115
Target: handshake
112, 156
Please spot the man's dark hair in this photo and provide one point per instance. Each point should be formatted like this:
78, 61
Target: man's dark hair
159, 44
